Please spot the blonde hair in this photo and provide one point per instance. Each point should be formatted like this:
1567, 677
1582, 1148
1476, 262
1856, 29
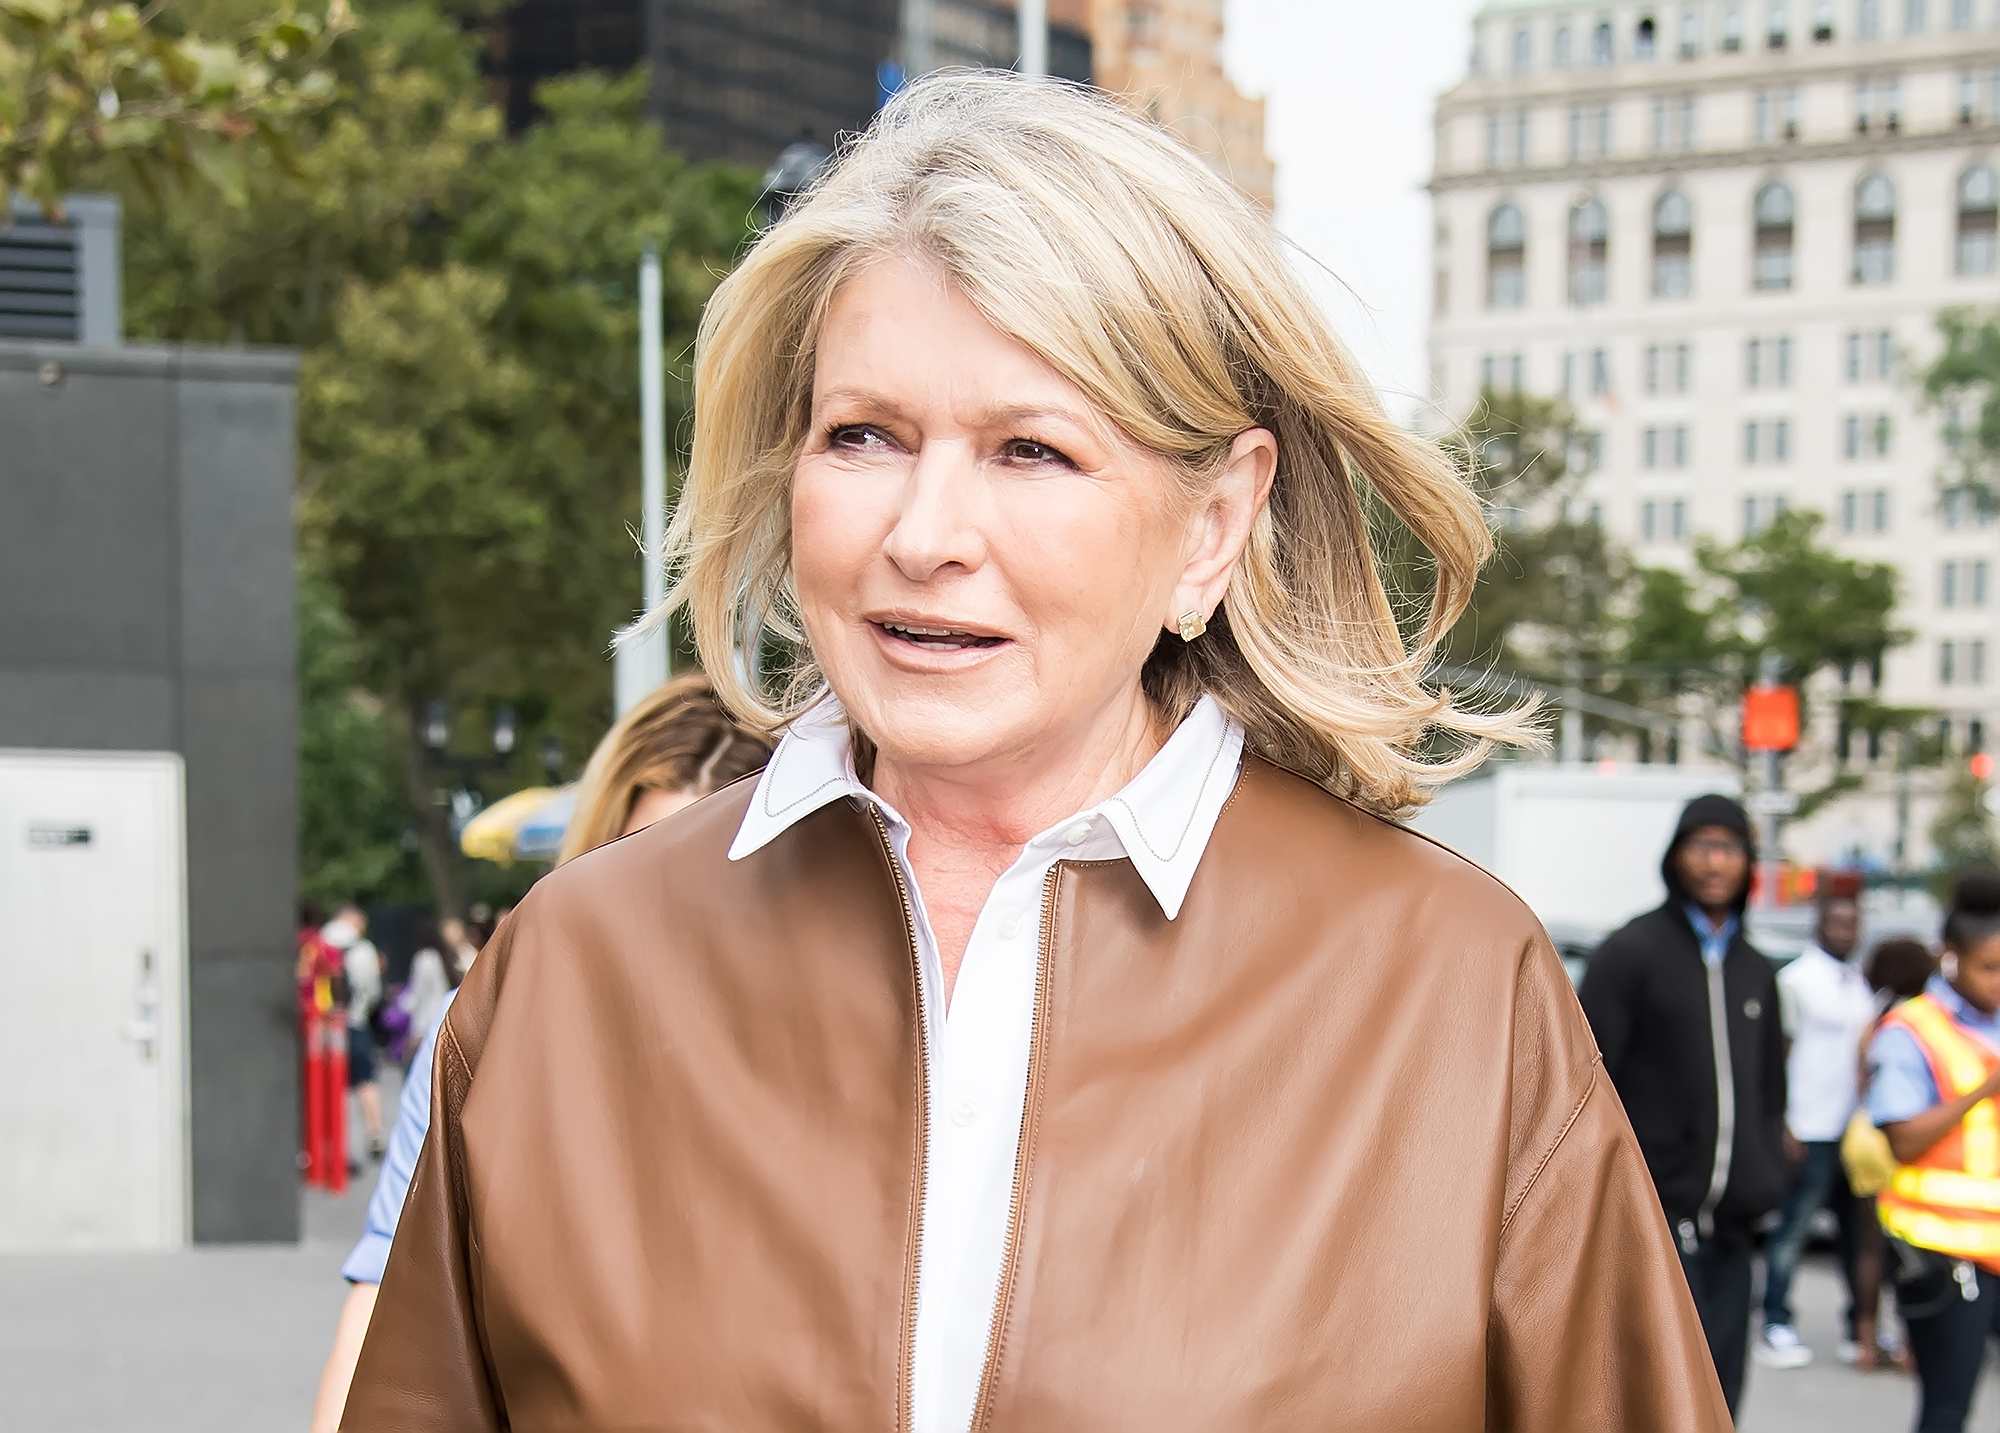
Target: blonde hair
678, 737
1106, 247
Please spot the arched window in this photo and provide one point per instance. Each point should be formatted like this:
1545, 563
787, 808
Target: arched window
1868, 20
1978, 211
1600, 44
1642, 39
1506, 255
1874, 230
1559, 48
1690, 33
1523, 50
1771, 266
1589, 238
1673, 244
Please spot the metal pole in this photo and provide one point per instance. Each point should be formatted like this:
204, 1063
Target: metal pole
1768, 672
1034, 18
652, 429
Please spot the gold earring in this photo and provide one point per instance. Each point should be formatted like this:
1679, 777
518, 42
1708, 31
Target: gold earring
1192, 625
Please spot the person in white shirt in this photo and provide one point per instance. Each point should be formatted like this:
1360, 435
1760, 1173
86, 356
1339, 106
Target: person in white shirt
1827, 1009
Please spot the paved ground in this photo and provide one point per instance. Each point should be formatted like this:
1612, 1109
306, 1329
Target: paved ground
230, 1340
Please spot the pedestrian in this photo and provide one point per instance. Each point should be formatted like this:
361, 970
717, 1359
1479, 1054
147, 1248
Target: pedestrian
676, 745
1897, 970
1709, 1112
429, 982
457, 948
1936, 1069
1827, 1009
1028, 1047
361, 964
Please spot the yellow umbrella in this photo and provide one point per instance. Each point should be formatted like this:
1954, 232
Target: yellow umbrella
490, 836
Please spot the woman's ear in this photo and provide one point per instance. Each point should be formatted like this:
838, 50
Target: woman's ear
1219, 526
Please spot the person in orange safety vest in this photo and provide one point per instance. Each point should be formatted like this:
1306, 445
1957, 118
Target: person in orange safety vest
1936, 1069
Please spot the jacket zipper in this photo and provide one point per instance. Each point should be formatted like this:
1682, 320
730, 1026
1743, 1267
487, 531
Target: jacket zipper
1725, 1108
913, 1255
982, 1408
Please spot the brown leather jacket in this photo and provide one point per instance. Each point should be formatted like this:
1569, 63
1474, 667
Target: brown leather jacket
1332, 1150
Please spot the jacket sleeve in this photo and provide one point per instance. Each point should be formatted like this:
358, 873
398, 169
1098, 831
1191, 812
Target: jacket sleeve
1606, 994
426, 1365
1591, 1325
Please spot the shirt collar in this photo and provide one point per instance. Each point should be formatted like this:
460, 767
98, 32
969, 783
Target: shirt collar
1939, 989
1162, 817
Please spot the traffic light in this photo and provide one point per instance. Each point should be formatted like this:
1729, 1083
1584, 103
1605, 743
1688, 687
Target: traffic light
1981, 765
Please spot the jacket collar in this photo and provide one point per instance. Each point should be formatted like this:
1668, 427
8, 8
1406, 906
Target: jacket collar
1161, 819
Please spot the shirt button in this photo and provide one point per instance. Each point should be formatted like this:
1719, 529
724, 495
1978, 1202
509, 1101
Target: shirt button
1077, 834
964, 1113
1010, 925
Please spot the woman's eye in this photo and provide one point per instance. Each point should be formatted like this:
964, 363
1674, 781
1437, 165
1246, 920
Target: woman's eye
1027, 450
854, 435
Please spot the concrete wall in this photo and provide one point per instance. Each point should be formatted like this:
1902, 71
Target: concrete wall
146, 603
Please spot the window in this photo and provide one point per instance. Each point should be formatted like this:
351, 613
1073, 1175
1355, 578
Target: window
1673, 244
1772, 258
1976, 665
1589, 237
1649, 522
1784, 362
1968, 96
1777, 28
1652, 368
1486, 372
1885, 354
1881, 435
1913, 17
1521, 137
1603, 130
1851, 438
1515, 373
1978, 211
1559, 49
1649, 447
1493, 141
1961, 14
1947, 663
1850, 511
1878, 102
1781, 441
1575, 132
1690, 33
1979, 576
1600, 44
1600, 373
1753, 363
1762, 122
1948, 585
1871, 356
1683, 367
1506, 253
1822, 30
1874, 230
1879, 510
1680, 446
1751, 433
1677, 520
1868, 19
1751, 526
1569, 374
1643, 37
1523, 50
1732, 28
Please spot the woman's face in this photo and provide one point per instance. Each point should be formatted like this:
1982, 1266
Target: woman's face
983, 561
1978, 977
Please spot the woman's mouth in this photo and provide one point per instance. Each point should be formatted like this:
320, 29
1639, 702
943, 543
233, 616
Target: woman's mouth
937, 639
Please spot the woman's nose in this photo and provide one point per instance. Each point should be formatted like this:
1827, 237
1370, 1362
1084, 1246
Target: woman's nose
937, 520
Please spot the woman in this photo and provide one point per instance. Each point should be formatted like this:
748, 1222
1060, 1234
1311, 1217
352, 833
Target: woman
1897, 970
1057, 1035
676, 745
1935, 1066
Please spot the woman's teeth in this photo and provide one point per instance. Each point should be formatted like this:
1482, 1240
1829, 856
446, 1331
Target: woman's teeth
936, 639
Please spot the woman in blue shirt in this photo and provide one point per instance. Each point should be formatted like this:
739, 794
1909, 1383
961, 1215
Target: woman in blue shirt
674, 747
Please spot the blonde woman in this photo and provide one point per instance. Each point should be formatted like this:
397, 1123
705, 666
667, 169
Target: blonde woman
1061, 1034
676, 745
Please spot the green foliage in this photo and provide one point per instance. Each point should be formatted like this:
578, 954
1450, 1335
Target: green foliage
468, 416
1965, 376
1962, 831
80, 84
351, 818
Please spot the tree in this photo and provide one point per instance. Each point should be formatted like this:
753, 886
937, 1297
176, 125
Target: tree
1962, 830
466, 304
1964, 380
81, 84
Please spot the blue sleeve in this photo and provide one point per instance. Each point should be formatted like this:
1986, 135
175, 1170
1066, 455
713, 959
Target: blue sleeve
399, 1163
1900, 1084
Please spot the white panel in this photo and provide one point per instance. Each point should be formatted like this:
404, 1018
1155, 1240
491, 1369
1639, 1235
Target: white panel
93, 966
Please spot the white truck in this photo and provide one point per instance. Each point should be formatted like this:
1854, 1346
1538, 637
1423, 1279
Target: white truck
1581, 844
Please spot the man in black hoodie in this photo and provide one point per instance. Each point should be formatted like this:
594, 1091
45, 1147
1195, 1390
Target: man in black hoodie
1685, 1011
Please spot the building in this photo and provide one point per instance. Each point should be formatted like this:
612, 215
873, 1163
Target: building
1724, 230
1165, 56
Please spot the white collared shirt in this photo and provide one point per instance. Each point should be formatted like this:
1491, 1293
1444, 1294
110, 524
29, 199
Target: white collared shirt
1161, 821
1827, 1009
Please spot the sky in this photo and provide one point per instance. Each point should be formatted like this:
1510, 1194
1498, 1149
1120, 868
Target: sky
1349, 87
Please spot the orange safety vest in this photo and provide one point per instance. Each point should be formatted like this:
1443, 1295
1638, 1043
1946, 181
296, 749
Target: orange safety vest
1949, 1199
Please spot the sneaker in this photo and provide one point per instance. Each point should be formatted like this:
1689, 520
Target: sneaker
1851, 1353
1781, 1347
